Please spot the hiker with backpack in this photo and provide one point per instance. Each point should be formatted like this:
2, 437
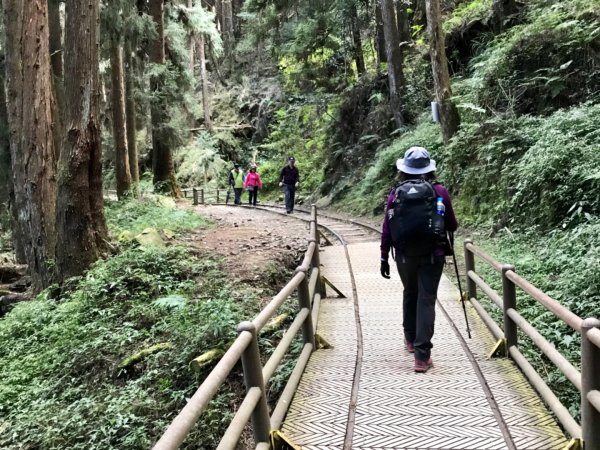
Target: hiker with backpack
418, 214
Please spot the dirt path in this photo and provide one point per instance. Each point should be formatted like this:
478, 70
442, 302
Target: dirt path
250, 239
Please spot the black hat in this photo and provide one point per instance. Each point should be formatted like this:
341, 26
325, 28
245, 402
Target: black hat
291, 158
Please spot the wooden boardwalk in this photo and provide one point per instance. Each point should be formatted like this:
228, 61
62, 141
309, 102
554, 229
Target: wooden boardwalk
464, 402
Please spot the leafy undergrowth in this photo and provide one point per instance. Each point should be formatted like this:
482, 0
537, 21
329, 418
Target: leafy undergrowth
155, 212
565, 265
65, 383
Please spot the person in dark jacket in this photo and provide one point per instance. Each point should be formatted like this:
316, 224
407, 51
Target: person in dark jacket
420, 275
289, 180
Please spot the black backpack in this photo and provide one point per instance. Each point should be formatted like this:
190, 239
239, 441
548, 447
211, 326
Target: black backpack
415, 227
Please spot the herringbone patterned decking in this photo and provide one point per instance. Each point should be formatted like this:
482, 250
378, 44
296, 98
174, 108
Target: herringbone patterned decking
446, 409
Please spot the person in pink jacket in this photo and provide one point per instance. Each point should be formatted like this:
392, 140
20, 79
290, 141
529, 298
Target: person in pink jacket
252, 184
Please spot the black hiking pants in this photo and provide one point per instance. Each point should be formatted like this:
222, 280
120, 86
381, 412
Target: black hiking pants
421, 278
289, 191
252, 195
238, 195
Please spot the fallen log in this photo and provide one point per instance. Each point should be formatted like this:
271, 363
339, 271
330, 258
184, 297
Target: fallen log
206, 358
9, 300
11, 272
142, 354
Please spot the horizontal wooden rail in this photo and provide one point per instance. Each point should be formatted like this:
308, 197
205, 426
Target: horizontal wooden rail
552, 305
245, 348
486, 288
186, 419
572, 374
236, 427
587, 381
546, 393
284, 345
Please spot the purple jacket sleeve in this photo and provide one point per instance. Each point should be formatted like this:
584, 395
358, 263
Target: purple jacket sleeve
386, 238
449, 217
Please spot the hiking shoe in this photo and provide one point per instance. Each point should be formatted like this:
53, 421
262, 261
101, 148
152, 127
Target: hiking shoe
423, 366
288, 211
410, 348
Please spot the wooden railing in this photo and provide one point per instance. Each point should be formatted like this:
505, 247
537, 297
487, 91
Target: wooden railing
587, 381
307, 282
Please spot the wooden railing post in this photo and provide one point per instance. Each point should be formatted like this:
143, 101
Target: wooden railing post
195, 194
304, 300
590, 381
202, 196
316, 259
470, 266
509, 300
261, 422
218, 200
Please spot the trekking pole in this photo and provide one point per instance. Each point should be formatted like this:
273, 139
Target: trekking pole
462, 294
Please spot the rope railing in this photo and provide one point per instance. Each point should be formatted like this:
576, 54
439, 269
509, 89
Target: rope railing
253, 407
587, 381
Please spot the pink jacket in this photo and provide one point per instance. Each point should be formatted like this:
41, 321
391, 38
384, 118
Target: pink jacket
252, 180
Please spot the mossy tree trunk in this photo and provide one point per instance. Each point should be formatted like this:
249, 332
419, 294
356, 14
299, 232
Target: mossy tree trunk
162, 158
82, 232
228, 31
395, 60
119, 120
379, 34
130, 74
205, 86
192, 42
30, 116
449, 117
403, 22
357, 41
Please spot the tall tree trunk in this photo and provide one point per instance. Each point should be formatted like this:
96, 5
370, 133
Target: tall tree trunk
80, 219
162, 159
402, 19
30, 105
118, 122
358, 49
395, 59
219, 14
205, 91
419, 12
237, 22
449, 117
379, 34
7, 192
228, 35
5, 170
56, 58
192, 43
130, 74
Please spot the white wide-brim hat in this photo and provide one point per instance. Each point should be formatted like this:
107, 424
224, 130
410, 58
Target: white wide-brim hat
416, 161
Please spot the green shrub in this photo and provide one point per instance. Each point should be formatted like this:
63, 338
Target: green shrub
527, 171
547, 63
136, 215
62, 385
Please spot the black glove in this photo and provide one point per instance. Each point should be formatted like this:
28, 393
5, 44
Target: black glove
385, 269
